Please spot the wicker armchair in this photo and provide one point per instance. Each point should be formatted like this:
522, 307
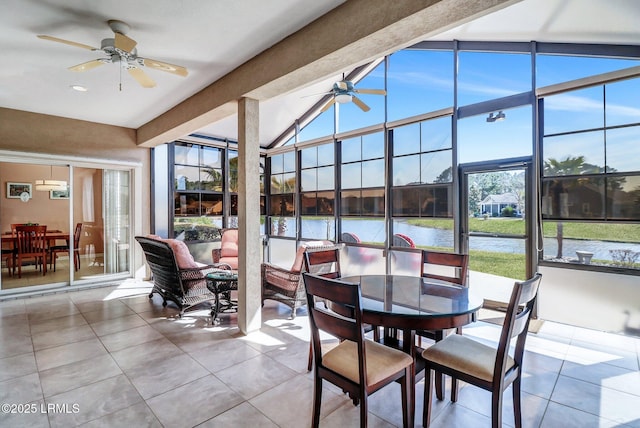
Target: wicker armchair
176, 277
228, 251
286, 285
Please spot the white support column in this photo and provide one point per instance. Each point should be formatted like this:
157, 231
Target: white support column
249, 282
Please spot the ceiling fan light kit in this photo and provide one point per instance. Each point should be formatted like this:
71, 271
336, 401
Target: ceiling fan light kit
344, 92
121, 49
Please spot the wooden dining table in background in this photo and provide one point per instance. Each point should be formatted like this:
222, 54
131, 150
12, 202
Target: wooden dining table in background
52, 235
8, 238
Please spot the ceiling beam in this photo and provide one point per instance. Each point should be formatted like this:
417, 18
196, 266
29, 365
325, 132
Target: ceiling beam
356, 32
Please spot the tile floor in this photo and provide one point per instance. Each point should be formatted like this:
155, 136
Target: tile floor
110, 357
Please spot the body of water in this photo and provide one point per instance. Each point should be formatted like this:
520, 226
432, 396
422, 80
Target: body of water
374, 231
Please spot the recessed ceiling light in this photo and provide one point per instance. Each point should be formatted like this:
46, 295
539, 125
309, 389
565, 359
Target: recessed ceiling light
79, 88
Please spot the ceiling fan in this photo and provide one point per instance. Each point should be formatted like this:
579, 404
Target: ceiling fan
121, 49
344, 91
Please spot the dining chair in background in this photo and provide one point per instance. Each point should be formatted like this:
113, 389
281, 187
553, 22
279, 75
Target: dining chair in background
8, 255
285, 285
10, 251
356, 365
323, 262
326, 263
54, 250
31, 242
448, 267
452, 268
487, 367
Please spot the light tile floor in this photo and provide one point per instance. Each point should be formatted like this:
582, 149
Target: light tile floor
110, 357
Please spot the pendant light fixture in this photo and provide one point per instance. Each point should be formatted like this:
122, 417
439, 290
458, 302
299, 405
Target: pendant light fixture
50, 184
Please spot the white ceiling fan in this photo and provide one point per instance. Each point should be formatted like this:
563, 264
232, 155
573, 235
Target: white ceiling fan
121, 49
344, 91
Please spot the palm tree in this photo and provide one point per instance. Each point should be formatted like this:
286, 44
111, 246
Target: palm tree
571, 165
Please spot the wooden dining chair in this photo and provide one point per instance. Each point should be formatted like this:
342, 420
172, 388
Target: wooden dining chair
357, 365
54, 250
451, 268
448, 267
31, 242
326, 263
487, 367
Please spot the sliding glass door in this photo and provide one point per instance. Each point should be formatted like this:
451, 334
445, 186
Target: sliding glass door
102, 214
88, 224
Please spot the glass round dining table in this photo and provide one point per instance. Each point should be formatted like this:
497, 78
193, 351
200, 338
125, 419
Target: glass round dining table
412, 303
415, 303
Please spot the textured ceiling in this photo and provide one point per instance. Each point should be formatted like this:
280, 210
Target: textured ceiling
211, 38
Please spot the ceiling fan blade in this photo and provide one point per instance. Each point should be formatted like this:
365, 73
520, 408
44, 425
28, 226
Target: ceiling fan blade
331, 102
163, 66
124, 43
89, 65
142, 78
67, 42
357, 101
371, 91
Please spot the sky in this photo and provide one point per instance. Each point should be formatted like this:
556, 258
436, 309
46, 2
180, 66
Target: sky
422, 81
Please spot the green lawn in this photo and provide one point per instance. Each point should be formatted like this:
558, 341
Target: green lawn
515, 226
501, 264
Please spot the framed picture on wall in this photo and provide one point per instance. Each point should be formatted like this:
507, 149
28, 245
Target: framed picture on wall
15, 190
59, 194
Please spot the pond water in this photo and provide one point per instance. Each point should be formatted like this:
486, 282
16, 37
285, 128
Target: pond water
374, 231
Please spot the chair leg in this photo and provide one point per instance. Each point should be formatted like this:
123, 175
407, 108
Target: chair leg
428, 387
496, 408
406, 396
317, 402
517, 405
364, 411
310, 362
454, 389
439, 377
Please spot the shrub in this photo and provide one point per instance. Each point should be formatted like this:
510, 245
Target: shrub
507, 211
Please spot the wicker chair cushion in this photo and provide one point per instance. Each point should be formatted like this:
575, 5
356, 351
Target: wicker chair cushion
382, 361
465, 355
183, 256
229, 243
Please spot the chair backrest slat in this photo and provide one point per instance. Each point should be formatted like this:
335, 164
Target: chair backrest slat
450, 267
31, 239
323, 262
516, 322
345, 325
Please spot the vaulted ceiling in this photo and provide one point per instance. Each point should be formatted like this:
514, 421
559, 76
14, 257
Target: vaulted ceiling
277, 51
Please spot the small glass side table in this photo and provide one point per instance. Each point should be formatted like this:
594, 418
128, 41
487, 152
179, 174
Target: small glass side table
221, 283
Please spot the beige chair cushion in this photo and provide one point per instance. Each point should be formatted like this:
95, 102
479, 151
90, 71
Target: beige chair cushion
382, 361
465, 355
